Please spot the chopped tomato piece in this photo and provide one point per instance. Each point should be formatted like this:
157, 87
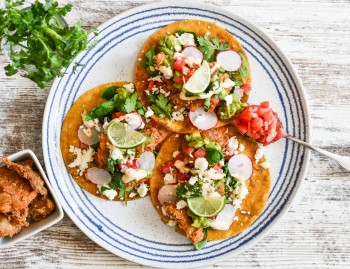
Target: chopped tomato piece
188, 150
139, 148
166, 168
132, 163
217, 166
180, 157
179, 64
180, 80
213, 103
117, 114
200, 153
265, 104
83, 146
246, 115
151, 85
246, 88
183, 177
256, 124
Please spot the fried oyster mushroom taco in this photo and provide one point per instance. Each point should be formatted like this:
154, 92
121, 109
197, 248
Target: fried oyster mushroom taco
109, 143
193, 75
207, 185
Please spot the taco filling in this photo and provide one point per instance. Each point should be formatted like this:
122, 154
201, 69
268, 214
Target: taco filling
202, 186
117, 144
196, 76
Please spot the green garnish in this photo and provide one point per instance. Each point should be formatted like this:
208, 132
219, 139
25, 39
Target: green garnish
148, 61
208, 47
202, 243
160, 105
244, 69
214, 156
109, 92
130, 103
40, 43
101, 110
187, 191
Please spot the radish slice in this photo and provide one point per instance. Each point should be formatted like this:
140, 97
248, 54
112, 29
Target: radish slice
224, 219
134, 120
98, 176
229, 60
240, 166
167, 194
147, 160
203, 120
192, 51
88, 136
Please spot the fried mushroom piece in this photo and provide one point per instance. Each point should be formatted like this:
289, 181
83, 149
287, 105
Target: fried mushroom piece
40, 208
27, 172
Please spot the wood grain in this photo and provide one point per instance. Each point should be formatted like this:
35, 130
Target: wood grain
315, 233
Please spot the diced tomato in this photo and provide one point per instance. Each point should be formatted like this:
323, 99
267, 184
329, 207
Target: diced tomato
218, 166
246, 88
159, 84
188, 150
139, 148
189, 74
132, 163
180, 157
117, 114
213, 103
83, 146
180, 80
179, 64
182, 177
265, 104
227, 157
166, 167
200, 153
151, 85
260, 123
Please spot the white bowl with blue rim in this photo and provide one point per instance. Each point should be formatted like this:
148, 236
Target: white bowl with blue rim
136, 232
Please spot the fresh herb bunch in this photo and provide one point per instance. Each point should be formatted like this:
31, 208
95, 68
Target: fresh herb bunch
40, 43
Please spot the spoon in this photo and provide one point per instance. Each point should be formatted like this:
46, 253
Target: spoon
344, 161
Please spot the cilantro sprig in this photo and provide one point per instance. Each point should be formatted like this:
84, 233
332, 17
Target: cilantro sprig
40, 43
209, 45
160, 105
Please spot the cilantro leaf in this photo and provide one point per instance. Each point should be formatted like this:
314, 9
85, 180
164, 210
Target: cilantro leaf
207, 104
39, 40
148, 61
130, 103
161, 105
187, 191
209, 46
101, 110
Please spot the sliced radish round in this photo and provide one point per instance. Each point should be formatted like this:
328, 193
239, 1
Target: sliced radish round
88, 136
134, 120
98, 176
147, 160
229, 60
224, 219
167, 194
192, 51
240, 166
203, 120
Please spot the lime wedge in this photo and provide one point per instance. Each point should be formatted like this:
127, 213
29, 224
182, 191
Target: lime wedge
122, 136
206, 206
200, 79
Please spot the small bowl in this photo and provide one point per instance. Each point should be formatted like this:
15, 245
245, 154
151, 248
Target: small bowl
34, 227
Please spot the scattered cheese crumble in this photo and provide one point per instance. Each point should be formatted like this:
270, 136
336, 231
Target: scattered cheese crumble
83, 157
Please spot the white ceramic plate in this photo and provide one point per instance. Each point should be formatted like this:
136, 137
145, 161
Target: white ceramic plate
135, 232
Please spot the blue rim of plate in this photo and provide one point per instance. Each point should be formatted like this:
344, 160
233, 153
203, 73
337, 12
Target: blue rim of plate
137, 248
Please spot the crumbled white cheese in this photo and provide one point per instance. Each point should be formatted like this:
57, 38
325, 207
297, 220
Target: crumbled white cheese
209, 191
228, 99
149, 112
186, 39
193, 180
177, 55
175, 153
156, 78
132, 194
240, 193
167, 71
228, 83
169, 179
166, 94
164, 211
83, 157
181, 204
241, 148
238, 91
215, 67
259, 153
139, 59
133, 174
142, 190
109, 193
212, 174
233, 143
177, 116
177, 48
172, 223
201, 164
86, 131
191, 61
129, 87
265, 165
115, 153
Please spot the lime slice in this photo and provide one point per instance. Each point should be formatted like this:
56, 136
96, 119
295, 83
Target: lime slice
122, 136
200, 79
206, 206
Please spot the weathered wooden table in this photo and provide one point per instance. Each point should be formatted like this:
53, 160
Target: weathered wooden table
315, 233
